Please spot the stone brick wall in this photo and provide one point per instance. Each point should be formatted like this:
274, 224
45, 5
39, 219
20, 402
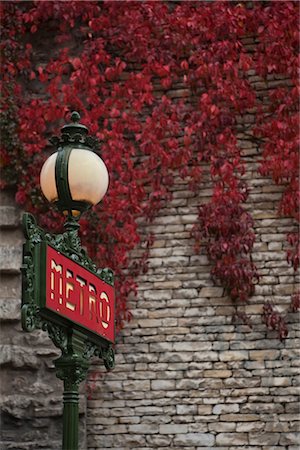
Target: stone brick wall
31, 395
186, 377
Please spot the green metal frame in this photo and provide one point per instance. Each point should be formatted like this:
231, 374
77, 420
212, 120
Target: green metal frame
65, 202
77, 344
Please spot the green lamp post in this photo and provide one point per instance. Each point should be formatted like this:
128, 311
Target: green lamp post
63, 292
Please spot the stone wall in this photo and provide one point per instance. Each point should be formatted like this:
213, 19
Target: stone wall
186, 377
31, 395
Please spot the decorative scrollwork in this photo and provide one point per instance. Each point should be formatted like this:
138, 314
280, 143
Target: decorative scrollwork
58, 335
27, 279
30, 318
32, 232
68, 243
76, 351
106, 275
75, 133
90, 350
71, 370
108, 356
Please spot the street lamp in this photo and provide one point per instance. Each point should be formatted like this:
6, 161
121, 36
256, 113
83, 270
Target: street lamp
74, 178
63, 292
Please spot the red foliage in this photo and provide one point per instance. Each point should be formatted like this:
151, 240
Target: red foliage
117, 62
278, 125
226, 226
295, 304
274, 321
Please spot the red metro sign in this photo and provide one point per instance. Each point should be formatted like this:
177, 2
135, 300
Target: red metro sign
78, 295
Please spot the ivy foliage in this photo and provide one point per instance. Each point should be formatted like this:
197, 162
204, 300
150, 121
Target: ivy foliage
123, 65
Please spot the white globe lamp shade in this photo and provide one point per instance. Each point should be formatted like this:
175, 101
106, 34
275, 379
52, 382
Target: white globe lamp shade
87, 177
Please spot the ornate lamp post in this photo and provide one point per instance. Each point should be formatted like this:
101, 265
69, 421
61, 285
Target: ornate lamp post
63, 292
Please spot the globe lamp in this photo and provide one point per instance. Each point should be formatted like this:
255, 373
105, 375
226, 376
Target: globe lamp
74, 178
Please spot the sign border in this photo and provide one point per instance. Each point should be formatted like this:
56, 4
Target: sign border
40, 259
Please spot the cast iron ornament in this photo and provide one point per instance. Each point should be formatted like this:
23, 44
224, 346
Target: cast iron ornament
69, 244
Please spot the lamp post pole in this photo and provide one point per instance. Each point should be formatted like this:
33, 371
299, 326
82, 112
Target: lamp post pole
72, 369
63, 292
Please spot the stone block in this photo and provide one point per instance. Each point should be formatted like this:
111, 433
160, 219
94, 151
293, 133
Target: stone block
115, 429
217, 373
188, 384
276, 381
142, 410
186, 409
288, 439
189, 218
240, 417
175, 261
264, 355
185, 293
234, 355
18, 357
10, 309
158, 441
173, 429
264, 438
211, 292
168, 220
153, 263
260, 408
173, 284
195, 439
161, 347
143, 429
200, 312
235, 439
10, 259
225, 408
129, 420
9, 217
158, 294
206, 356
192, 346
166, 313
149, 323
222, 427
204, 410
162, 385
136, 385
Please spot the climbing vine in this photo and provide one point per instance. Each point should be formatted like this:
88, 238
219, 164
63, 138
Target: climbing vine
122, 65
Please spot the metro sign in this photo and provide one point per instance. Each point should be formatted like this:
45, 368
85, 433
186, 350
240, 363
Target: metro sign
71, 292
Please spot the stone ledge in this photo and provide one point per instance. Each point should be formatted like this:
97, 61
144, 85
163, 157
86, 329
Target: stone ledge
18, 357
9, 217
10, 309
41, 405
10, 259
37, 445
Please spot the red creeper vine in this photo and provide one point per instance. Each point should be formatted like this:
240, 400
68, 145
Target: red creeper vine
121, 64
